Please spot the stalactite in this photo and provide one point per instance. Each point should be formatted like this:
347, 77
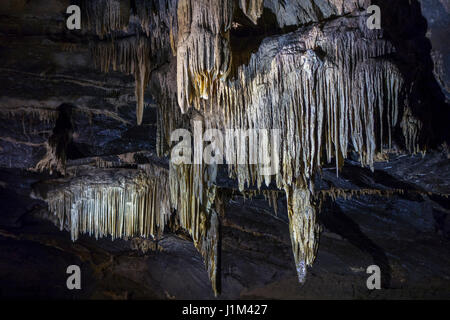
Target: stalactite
104, 16
253, 9
45, 111
411, 127
164, 90
335, 193
303, 228
272, 197
114, 203
157, 18
203, 48
130, 56
100, 163
124, 203
193, 196
145, 245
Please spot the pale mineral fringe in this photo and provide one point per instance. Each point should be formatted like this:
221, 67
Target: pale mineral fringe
28, 113
203, 48
335, 193
145, 245
123, 208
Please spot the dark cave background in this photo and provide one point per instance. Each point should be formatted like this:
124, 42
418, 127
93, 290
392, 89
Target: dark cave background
49, 94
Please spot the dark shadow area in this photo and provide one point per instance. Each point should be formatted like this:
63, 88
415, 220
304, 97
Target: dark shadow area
219, 258
404, 24
337, 222
62, 133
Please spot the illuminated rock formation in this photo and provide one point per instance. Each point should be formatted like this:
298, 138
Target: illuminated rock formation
326, 88
111, 202
322, 121
324, 91
203, 49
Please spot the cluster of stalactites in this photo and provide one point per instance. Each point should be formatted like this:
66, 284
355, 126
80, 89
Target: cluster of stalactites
130, 56
128, 203
105, 16
193, 196
203, 48
120, 208
156, 18
322, 92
